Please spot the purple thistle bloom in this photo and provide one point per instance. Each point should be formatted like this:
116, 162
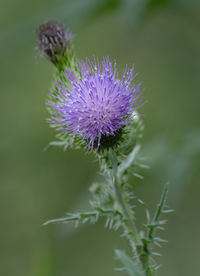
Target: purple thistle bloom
95, 103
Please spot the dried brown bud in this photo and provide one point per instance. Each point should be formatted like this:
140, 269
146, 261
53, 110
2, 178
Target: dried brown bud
53, 40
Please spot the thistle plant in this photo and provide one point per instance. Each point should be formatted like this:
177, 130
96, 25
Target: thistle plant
94, 109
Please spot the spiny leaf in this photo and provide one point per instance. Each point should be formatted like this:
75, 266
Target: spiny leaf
132, 267
85, 216
129, 160
156, 222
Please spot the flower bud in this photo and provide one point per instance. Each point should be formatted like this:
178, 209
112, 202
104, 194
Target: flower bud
53, 40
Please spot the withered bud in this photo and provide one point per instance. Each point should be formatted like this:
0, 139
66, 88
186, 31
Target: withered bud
53, 40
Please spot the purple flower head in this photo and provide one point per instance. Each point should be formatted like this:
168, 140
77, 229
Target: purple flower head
96, 103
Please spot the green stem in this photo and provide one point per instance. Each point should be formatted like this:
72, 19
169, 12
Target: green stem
129, 224
121, 202
158, 212
154, 224
141, 254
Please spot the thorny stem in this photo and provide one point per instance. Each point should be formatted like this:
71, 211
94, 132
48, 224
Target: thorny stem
130, 226
154, 224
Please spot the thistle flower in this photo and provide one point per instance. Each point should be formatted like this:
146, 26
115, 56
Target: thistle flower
53, 40
96, 104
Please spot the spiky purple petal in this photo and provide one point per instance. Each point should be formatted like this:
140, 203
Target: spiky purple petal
97, 103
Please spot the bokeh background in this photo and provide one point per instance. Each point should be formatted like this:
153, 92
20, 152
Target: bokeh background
162, 39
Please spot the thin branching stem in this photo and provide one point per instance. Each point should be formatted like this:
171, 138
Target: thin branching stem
151, 228
158, 212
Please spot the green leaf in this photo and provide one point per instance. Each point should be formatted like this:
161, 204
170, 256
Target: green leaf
91, 216
156, 222
133, 268
129, 160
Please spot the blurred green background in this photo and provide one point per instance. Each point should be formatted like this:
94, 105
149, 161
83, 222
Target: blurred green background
162, 39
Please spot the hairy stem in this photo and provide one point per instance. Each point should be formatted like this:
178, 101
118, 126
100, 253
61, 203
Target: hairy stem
129, 223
